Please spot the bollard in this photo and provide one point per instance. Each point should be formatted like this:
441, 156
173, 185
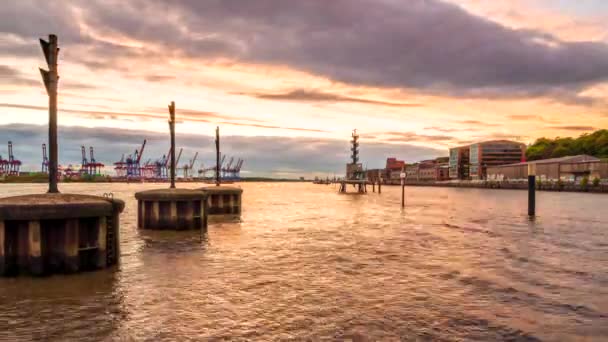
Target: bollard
531, 190
402, 176
374, 186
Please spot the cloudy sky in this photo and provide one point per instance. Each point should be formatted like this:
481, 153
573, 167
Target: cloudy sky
287, 81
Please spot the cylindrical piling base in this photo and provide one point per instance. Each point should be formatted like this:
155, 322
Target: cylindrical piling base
171, 209
57, 233
224, 203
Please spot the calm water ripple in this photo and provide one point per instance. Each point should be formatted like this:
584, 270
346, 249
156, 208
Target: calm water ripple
309, 264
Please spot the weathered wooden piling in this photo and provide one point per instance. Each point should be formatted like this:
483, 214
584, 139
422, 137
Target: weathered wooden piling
58, 233
172, 209
224, 203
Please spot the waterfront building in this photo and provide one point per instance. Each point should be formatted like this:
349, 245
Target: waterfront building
570, 168
494, 153
393, 170
459, 162
472, 161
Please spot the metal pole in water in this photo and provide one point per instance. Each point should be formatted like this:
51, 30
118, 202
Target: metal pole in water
217, 156
51, 80
172, 131
402, 176
531, 190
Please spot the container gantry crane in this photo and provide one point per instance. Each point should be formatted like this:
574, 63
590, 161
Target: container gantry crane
45, 160
14, 165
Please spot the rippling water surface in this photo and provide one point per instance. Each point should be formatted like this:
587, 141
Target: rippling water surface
308, 263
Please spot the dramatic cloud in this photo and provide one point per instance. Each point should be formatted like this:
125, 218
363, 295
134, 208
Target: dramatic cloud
413, 137
304, 95
575, 128
264, 156
425, 44
185, 115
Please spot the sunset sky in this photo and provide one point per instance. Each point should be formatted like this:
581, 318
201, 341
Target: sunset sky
287, 81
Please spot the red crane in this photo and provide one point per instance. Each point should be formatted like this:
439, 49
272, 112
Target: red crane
13, 164
94, 166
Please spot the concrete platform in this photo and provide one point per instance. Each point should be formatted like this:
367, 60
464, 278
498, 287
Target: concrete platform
58, 233
224, 203
171, 209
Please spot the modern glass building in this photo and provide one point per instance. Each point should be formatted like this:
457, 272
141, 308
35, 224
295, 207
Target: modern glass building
472, 161
494, 153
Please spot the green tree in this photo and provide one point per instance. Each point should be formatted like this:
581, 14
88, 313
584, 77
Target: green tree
595, 144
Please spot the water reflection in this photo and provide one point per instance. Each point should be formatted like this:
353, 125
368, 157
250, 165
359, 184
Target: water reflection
308, 263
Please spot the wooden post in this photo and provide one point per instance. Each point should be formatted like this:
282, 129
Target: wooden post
71, 260
102, 231
50, 79
189, 214
380, 186
2, 249
231, 203
374, 186
531, 190
155, 214
204, 215
142, 222
217, 157
34, 248
172, 132
116, 234
173, 214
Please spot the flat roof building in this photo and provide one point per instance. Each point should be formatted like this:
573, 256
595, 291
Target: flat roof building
565, 168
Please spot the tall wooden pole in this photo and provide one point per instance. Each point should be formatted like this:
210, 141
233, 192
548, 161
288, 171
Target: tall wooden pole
51, 80
531, 190
172, 130
217, 157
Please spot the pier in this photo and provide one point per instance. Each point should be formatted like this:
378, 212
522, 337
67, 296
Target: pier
224, 202
58, 233
53, 232
172, 209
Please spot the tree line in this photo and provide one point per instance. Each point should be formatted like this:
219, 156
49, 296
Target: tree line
594, 144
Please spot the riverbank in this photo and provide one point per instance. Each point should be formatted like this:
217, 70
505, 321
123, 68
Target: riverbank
541, 186
43, 178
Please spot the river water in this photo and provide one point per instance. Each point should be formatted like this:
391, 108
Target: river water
308, 263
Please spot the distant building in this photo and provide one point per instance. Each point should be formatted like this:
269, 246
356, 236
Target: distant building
393, 169
571, 168
494, 153
459, 162
472, 161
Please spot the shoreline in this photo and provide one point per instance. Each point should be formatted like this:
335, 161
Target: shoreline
553, 187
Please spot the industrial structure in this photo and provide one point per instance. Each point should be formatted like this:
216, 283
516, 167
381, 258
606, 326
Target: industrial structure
131, 167
89, 166
570, 169
354, 170
10, 166
45, 160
